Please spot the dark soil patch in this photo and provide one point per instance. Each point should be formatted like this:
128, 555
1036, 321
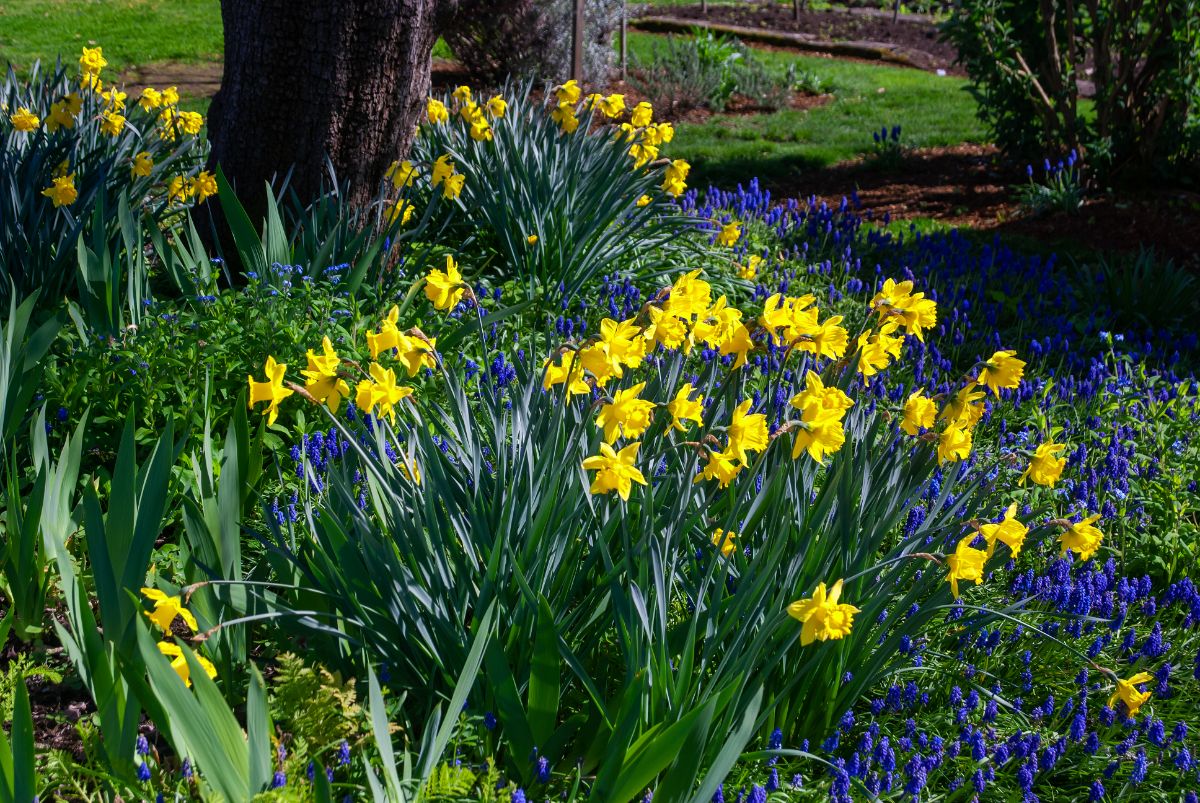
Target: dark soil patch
200, 80
916, 40
969, 186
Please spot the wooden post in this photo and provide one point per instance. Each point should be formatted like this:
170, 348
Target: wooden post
624, 41
577, 43
796, 9
704, 7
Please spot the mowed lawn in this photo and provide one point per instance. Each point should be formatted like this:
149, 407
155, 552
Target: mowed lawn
132, 32
931, 110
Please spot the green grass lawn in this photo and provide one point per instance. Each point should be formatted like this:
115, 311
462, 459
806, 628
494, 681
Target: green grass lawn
932, 110
132, 32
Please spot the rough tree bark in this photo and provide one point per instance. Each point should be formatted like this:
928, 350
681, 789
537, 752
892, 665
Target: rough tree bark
308, 78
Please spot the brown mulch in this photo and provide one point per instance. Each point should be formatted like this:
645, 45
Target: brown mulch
970, 186
917, 40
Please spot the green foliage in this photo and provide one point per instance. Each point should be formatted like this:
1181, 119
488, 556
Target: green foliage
705, 70
577, 193
119, 546
38, 241
1027, 62
1060, 189
18, 779
315, 704
23, 576
624, 636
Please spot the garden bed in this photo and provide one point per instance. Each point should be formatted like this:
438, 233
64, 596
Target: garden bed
966, 186
918, 42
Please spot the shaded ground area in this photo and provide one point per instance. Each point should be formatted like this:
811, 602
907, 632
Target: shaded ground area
969, 186
197, 80
918, 40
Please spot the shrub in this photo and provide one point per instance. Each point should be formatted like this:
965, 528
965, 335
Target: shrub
1027, 62
69, 145
706, 70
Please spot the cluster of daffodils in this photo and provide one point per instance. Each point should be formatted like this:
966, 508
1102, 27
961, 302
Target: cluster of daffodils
166, 610
568, 106
685, 314
376, 390
107, 110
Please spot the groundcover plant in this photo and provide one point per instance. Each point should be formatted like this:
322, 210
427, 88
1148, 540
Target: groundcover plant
547, 477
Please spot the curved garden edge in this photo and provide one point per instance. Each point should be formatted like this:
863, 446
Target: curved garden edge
871, 51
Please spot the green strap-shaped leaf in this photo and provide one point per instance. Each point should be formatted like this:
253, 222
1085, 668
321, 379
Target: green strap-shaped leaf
544, 677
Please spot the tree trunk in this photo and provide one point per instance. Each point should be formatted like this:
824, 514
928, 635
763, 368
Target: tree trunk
306, 79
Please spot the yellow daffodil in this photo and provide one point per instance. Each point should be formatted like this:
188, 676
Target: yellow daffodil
749, 271
271, 391
381, 395
897, 300
452, 187
62, 112
497, 106
62, 192
203, 186
626, 415
569, 371
966, 408
1082, 538
180, 665
401, 210
747, 432
143, 165
322, 379
822, 615
739, 343
1128, 693
954, 443
92, 61
416, 353
436, 112
730, 233
402, 174
683, 408
615, 471
642, 115
190, 122
150, 99
166, 608
1045, 468
1002, 370
920, 412
644, 200
965, 563
24, 120
721, 466
724, 541
1008, 531
388, 336
568, 92
822, 409
445, 288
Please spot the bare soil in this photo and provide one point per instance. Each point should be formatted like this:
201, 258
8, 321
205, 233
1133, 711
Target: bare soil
970, 186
